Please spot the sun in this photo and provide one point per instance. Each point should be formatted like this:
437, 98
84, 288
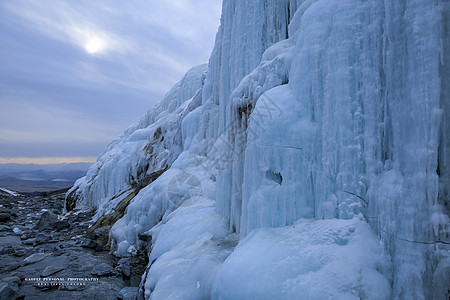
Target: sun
94, 45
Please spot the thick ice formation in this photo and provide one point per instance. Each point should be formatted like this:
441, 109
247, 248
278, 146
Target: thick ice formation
313, 259
322, 115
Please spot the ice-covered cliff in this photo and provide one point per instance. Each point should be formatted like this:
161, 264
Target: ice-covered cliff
308, 160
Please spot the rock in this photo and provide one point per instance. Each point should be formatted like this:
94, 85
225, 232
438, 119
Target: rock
128, 293
145, 237
6, 250
60, 225
15, 266
25, 290
28, 242
102, 269
18, 231
12, 279
46, 221
123, 260
4, 217
8, 290
50, 270
4, 228
34, 258
54, 235
88, 243
48, 248
20, 252
41, 238
99, 248
126, 269
21, 275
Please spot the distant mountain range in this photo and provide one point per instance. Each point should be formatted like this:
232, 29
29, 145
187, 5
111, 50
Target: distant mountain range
28, 178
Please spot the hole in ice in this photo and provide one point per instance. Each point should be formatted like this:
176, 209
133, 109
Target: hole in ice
275, 177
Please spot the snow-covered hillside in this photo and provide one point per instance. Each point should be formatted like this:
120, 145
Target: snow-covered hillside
308, 160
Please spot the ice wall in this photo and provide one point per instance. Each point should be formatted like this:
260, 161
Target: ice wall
148, 146
314, 117
356, 125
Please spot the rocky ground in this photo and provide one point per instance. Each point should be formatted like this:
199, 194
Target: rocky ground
47, 255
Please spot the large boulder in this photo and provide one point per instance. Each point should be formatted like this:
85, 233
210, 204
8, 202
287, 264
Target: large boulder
46, 221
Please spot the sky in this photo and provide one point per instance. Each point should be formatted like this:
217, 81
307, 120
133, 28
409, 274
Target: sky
76, 74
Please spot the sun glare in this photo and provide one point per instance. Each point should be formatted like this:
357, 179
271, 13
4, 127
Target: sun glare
94, 45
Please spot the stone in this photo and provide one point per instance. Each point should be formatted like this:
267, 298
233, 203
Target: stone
88, 243
7, 250
41, 238
128, 293
8, 290
4, 217
34, 258
46, 221
15, 266
20, 252
12, 279
4, 228
99, 248
126, 270
25, 290
145, 237
28, 242
123, 260
18, 231
102, 269
50, 270
60, 225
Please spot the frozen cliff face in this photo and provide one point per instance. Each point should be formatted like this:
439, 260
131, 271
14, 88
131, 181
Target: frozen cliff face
311, 160
149, 146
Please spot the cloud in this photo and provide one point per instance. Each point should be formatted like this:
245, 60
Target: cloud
75, 72
47, 160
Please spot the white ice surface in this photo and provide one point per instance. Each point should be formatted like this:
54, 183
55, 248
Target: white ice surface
312, 259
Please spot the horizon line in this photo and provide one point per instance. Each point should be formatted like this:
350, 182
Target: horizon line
48, 160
